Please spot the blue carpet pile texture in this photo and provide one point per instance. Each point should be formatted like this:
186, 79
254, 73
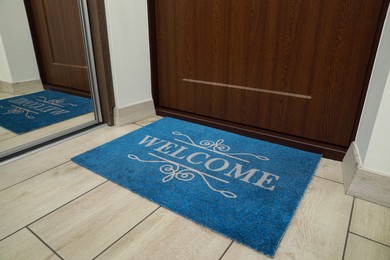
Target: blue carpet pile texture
243, 188
25, 113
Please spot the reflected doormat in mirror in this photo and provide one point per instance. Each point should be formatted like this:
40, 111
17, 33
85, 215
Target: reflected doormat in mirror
243, 188
25, 113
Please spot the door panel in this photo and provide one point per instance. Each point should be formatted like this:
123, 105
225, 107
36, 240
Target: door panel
60, 43
291, 66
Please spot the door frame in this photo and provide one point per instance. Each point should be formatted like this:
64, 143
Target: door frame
99, 33
331, 151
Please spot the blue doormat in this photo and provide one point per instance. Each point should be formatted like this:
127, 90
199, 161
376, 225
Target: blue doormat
241, 187
25, 113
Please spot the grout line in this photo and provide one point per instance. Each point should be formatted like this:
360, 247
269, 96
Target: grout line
328, 179
35, 175
150, 122
67, 203
227, 249
372, 240
138, 124
13, 233
131, 229
44, 243
371, 202
31, 223
134, 123
349, 226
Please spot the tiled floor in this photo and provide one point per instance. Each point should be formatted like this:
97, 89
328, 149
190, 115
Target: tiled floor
51, 208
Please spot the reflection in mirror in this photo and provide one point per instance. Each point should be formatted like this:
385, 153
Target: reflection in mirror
44, 83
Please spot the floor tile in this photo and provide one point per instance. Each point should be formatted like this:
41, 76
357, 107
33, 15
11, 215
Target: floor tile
165, 235
24, 245
330, 169
42, 132
148, 121
6, 134
359, 248
91, 223
5, 95
85, 227
317, 231
34, 164
32, 199
372, 221
27, 87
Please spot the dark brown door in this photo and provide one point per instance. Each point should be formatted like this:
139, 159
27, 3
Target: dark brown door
59, 44
291, 66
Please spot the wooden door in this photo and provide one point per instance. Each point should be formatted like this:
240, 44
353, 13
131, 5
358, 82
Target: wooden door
59, 44
296, 67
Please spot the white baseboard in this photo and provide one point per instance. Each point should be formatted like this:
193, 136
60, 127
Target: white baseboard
132, 113
363, 183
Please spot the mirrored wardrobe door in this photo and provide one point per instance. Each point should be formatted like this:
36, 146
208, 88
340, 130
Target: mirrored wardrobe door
47, 73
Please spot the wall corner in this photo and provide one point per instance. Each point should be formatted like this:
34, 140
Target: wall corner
134, 112
364, 183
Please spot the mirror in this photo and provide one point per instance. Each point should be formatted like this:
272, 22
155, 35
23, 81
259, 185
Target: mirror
46, 72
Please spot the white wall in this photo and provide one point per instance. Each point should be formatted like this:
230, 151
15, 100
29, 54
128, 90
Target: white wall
17, 43
378, 155
373, 139
5, 73
129, 49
